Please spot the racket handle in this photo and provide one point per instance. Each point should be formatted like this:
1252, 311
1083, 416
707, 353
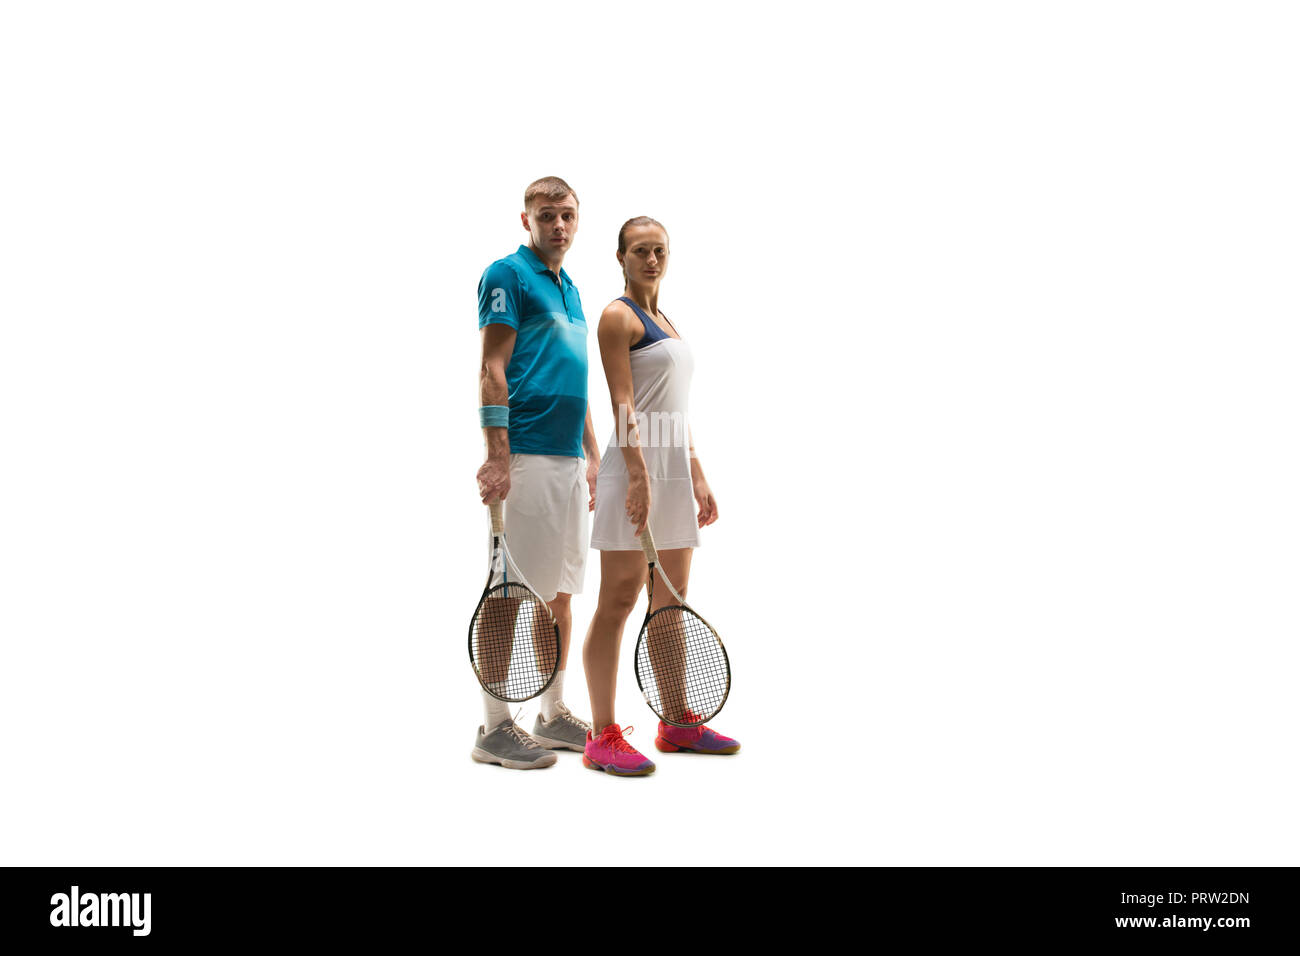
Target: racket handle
498, 521
648, 546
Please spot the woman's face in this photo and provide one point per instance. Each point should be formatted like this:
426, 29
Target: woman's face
646, 258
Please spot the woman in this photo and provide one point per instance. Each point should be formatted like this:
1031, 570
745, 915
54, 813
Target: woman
650, 460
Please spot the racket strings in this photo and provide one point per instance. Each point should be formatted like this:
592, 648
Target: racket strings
515, 643
682, 667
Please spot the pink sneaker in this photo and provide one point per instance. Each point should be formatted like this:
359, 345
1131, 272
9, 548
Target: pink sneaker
700, 740
611, 753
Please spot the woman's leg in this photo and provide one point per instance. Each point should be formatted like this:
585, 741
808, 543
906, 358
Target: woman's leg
676, 565
670, 673
622, 575
666, 640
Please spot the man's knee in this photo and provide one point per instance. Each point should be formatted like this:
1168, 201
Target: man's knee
560, 606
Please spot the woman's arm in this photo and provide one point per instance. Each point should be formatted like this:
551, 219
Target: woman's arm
617, 331
703, 494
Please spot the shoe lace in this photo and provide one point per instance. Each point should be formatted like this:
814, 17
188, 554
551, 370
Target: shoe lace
517, 732
562, 712
614, 739
691, 717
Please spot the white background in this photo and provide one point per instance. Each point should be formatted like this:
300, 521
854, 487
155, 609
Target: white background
993, 308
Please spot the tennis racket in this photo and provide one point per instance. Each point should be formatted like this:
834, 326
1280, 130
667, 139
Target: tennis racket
514, 642
681, 665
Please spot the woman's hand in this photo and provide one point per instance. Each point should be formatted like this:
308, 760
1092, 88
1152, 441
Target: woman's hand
708, 504
638, 502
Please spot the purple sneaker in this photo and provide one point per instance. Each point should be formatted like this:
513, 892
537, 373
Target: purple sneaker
611, 753
700, 740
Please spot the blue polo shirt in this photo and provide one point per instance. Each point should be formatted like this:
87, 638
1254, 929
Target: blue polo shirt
547, 374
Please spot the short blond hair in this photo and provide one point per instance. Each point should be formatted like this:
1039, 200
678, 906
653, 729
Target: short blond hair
548, 187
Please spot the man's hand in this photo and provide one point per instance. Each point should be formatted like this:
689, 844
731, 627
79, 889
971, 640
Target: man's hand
593, 469
494, 479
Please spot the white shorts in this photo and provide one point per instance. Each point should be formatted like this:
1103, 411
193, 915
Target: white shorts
546, 522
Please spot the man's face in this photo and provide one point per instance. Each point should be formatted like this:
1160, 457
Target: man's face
552, 225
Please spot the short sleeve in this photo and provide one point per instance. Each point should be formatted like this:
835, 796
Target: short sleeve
500, 296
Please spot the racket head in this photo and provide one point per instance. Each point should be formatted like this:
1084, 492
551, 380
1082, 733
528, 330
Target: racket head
682, 667
514, 643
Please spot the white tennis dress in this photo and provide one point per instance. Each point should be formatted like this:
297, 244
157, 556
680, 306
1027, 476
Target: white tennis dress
661, 385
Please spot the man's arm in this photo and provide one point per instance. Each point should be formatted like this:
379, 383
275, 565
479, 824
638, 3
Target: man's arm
498, 346
590, 447
592, 451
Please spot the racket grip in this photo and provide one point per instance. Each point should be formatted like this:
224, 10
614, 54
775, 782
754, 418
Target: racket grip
648, 546
498, 521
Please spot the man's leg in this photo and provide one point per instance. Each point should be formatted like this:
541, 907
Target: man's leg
495, 660
563, 617
556, 725
553, 696
500, 740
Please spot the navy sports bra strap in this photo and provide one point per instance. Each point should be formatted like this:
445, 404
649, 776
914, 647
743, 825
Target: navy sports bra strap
652, 331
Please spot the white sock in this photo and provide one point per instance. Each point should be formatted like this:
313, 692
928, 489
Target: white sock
494, 711
552, 696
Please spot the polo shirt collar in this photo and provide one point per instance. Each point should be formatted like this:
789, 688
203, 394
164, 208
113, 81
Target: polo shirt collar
538, 265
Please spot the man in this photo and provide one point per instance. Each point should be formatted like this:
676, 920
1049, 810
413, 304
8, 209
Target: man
537, 426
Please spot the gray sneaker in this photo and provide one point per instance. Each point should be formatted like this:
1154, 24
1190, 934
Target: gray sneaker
509, 746
565, 730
